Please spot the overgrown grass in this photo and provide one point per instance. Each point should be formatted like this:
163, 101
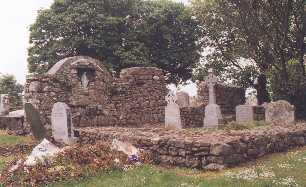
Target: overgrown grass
276, 170
241, 126
232, 126
11, 140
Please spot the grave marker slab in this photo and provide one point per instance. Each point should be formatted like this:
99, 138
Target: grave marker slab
172, 112
62, 127
182, 99
280, 112
212, 111
33, 118
248, 113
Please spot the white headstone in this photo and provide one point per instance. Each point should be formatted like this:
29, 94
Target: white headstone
62, 127
182, 99
212, 110
280, 113
172, 112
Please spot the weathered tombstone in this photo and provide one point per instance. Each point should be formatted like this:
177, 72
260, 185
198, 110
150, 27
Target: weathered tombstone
172, 112
182, 99
280, 112
33, 118
4, 104
62, 127
249, 113
212, 111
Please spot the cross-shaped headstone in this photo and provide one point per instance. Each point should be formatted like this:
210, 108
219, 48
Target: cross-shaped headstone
211, 80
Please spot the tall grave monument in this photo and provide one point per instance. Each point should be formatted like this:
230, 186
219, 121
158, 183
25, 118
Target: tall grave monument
212, 110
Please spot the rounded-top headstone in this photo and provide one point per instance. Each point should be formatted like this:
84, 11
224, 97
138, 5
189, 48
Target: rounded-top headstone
62, 128
280, 112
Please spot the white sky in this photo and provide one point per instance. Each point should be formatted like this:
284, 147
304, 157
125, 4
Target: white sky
15, 18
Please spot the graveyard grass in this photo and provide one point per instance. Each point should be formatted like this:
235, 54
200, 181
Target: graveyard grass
280, 169
10, 140
276, 170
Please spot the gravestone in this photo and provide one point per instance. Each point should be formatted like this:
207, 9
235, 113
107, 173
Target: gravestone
182, 99
280, 113
33, 119
249, 113
172, 112
4, 104
212, 111
62, 127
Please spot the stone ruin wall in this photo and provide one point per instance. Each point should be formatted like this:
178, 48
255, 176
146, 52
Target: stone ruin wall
139, 96
200, 149
228, 97
192, 117
134, 99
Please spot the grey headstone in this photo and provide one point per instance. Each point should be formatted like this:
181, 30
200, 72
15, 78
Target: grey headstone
33, 118
280, 112
248, 113
182, 99
4, 104
62, 127
213, 116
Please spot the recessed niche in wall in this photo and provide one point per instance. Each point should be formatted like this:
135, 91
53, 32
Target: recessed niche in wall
86, 75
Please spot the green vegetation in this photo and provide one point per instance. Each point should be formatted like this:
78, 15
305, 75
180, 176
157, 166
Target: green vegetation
273, 171
241, 126
11, 140
232, 126
121, 33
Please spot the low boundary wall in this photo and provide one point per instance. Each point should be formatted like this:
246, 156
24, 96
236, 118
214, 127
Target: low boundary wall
203, 149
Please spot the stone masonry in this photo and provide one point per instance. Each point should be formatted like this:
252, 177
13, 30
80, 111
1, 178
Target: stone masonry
203, 149
134, 99
228, 97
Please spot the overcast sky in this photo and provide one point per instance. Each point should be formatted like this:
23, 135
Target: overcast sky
15, 17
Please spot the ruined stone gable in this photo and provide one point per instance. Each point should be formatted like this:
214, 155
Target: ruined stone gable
96, 98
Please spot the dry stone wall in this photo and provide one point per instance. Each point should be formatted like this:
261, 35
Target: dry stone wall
192, 117
227, 97
139, 96
200, 149
95, 97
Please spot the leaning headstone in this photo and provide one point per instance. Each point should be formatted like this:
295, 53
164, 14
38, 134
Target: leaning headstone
212, 111
33, 119
249, 113
172, 112
182, 99
280, 113
62, 127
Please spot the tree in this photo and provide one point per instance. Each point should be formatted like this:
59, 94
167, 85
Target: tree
121, 33
294, 90
9, 85
267, 33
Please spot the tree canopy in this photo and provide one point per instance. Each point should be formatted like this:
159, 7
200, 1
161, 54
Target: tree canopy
267, 33
121, 33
